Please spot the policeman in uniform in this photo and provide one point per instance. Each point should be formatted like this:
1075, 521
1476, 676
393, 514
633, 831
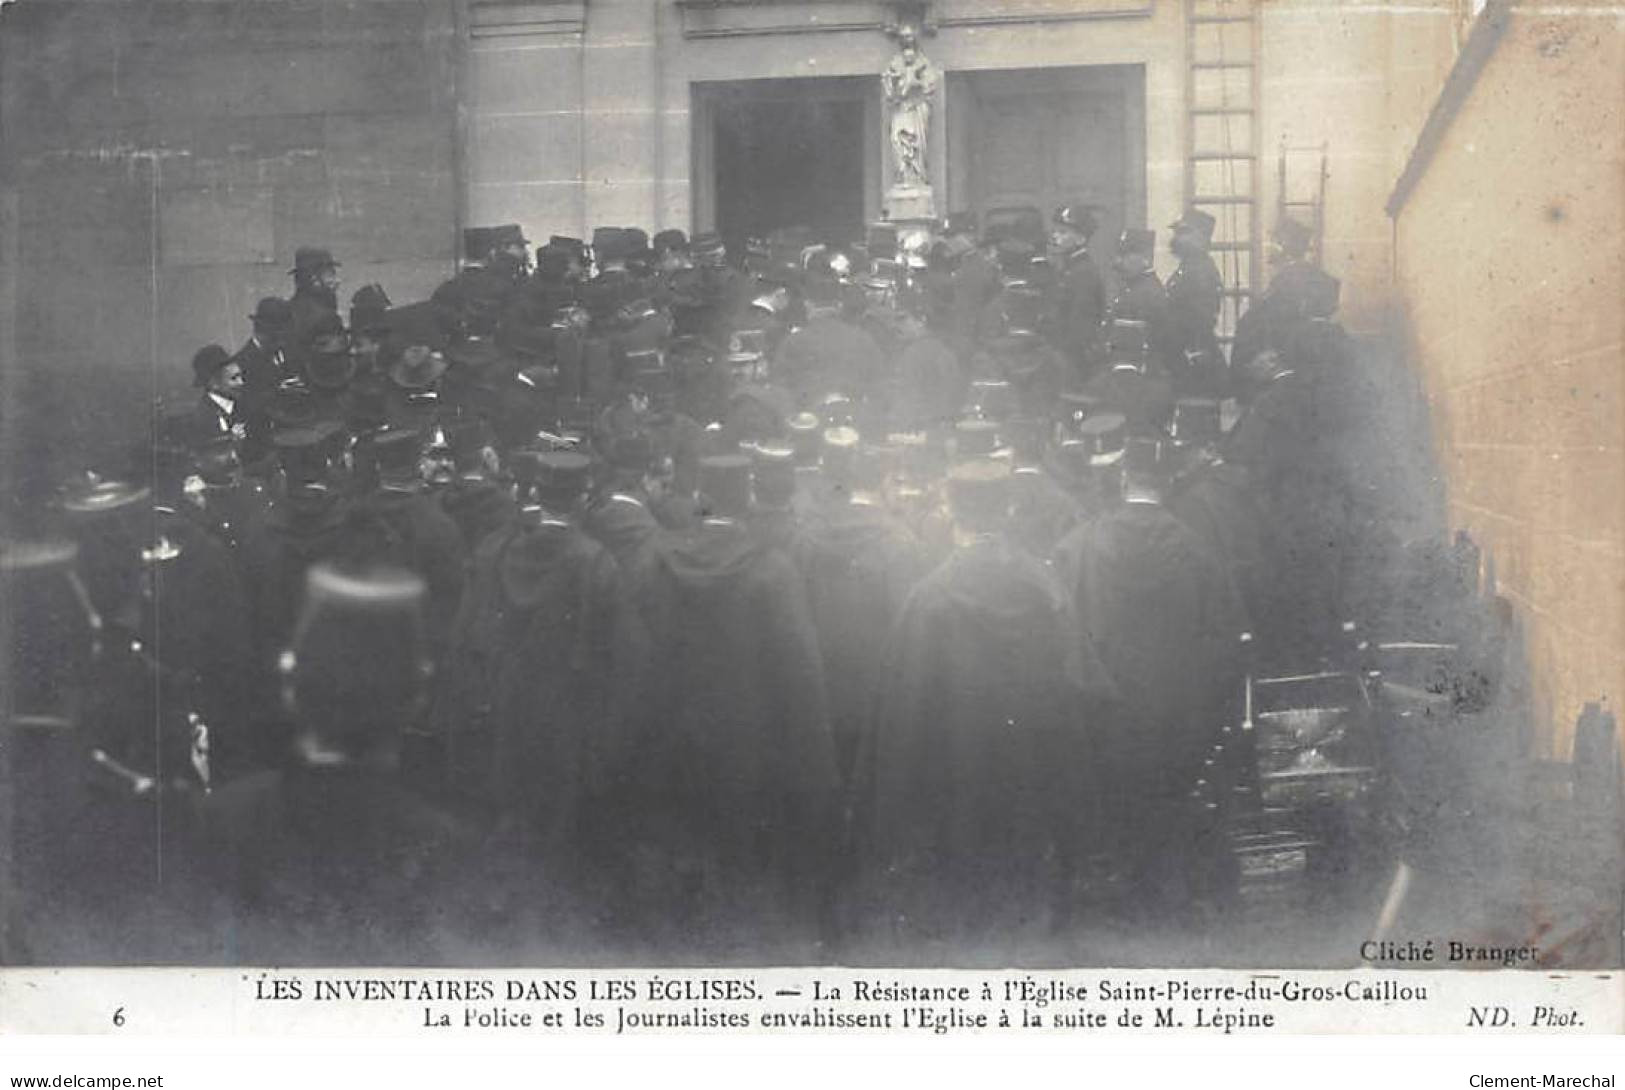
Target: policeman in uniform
859, 563
1077, 303
1195, 292
1166, 620
737, 763
477, 497
400, 523
977, 771
330, 858
1142, 298
541, 660
1132, 384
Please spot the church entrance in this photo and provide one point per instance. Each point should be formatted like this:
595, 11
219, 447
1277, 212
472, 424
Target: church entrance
785, 153
1038, 138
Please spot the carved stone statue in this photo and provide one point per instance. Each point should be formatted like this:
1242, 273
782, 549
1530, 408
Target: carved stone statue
910, 84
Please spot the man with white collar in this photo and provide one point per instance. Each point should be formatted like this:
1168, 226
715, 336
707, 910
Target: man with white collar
221, 379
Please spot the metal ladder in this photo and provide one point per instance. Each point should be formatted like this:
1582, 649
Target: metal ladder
1222, 135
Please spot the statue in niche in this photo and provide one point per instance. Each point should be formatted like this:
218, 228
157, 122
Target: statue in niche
910, 83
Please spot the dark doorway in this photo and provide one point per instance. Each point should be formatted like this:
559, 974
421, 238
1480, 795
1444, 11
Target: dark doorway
788, 156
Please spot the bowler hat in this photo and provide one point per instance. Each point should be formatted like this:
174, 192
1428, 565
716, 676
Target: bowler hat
207, 363
309, 259
272, 313
670, 239
367, 309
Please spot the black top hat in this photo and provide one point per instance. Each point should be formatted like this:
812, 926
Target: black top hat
636, 239
610, 244
272, 313
1140, 240
309, 259
1197, 220
477, 242
725, 483
207, 363
508, 234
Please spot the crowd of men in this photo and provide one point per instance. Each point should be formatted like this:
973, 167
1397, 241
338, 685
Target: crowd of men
662, 598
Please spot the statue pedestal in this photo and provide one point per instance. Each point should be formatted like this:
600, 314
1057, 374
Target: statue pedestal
910, 202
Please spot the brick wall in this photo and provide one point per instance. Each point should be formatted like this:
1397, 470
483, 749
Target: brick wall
1511, 268
166, 158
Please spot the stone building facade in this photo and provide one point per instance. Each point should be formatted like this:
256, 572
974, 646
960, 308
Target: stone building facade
160, 160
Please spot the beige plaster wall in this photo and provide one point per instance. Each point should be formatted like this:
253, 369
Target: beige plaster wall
1511, 267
